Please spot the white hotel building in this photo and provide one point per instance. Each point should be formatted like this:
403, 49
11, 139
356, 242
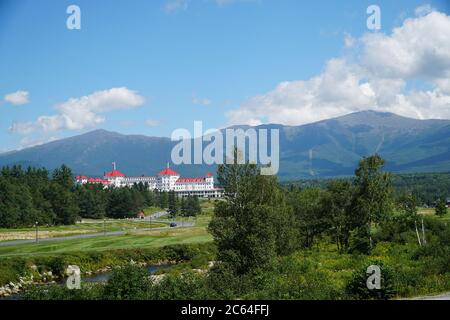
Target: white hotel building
166, 180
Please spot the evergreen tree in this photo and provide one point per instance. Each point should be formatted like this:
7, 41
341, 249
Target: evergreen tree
120, 203
441, 207
173, 207
184, 207
163, 200
91, 199
63, 176
63, 204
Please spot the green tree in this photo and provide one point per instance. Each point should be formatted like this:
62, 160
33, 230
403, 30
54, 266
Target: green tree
63, 204
91, 199
63, 176
243, 226
190, 206
310, 214
120, 203
129, 282
337, 203
163, 200
16, 205
441, 207
372, 203
173, 207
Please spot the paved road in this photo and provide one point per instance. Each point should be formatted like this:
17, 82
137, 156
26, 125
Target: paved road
154, 218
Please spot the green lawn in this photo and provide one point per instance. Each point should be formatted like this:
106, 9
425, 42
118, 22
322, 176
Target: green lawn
432, 212
85, 227
135, 239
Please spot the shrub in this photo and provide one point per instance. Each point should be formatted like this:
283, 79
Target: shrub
357, 286
185, 286
129, 282
58, 292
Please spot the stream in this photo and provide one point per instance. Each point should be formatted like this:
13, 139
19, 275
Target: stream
95, 278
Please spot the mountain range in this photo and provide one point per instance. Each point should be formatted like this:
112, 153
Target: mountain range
326, 148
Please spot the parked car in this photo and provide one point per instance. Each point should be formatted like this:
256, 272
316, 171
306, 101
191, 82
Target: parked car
173, 224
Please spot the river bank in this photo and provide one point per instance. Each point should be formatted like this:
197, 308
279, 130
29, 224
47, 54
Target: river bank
13, 290
17, 273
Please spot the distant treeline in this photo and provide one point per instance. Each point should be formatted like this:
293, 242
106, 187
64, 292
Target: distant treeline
428, 188
34, 195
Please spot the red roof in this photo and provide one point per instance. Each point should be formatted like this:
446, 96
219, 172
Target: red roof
168, 172
114, 173
191, 180
98, 180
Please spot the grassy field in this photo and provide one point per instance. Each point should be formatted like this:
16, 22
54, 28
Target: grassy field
431, 212
133, 238
85, 227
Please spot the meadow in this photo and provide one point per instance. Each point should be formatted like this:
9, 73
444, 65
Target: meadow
134, 238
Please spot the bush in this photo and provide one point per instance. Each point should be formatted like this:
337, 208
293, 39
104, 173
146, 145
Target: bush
357, 286
129, 282
186, 286
58, 292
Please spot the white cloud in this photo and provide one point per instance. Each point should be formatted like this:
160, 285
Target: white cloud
18, 98
83, 112
28, 142
152, 122
378, 79
420, 48
424, 10
349, 41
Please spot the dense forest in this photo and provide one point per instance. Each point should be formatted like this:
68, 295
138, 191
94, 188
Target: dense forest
427, 188
35, 196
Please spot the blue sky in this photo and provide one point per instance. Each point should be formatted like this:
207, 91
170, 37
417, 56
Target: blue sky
207, 60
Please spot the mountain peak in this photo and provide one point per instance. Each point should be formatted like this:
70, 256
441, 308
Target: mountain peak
101, 132
377, 119
325, 148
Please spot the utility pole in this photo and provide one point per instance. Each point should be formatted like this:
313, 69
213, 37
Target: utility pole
104, 226
37, 231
